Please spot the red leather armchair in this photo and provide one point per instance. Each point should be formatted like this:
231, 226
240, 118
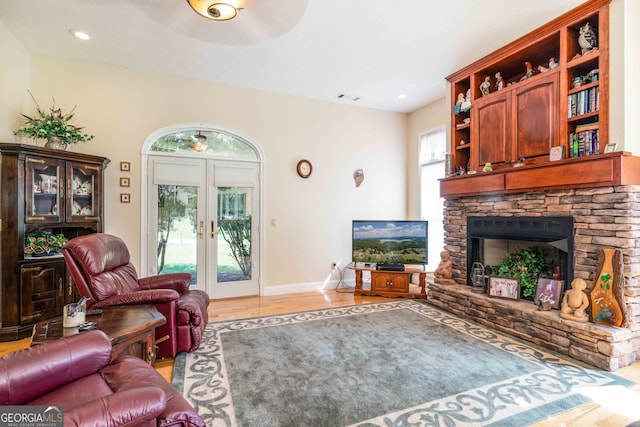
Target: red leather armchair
100, 266
75, 373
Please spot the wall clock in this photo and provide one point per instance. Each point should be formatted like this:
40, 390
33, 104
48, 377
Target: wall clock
304, 168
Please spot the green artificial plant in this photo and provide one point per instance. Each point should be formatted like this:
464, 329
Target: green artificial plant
52, 122
43, 243
527, 265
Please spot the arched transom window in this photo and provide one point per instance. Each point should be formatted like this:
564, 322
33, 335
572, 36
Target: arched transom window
211, 142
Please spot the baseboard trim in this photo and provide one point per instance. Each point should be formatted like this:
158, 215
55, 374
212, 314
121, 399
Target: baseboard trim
298, 288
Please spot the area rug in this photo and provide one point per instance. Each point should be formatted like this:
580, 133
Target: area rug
398, 363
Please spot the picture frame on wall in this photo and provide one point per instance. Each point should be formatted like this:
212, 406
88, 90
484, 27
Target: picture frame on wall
125, 198
125, 166
549, 293
504, 287
124, 181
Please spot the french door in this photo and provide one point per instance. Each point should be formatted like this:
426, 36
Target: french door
203, 219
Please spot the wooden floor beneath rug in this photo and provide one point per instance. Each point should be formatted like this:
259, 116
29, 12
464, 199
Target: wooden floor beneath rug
587, 415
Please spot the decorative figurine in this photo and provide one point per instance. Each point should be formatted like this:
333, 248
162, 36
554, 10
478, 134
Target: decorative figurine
575, 302
458, 107
587, 39
553, 63
487, 167
499, 81
519, 163
485, 85
466, 104
592, 76
529, 72
443, 273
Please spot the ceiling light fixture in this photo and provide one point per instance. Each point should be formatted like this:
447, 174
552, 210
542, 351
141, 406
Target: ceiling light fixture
79, 34
217, 10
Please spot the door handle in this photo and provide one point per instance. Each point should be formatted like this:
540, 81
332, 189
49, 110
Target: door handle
201, 230
213, 229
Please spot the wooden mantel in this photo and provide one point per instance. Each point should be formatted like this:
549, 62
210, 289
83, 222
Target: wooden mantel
617, 168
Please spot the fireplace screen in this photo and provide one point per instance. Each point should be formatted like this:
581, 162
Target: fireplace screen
489, 239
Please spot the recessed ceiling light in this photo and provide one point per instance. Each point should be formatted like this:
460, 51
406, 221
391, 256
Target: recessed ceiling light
79, 34
402, 95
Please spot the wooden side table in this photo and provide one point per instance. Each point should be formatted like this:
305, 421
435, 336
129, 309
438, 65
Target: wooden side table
131, 330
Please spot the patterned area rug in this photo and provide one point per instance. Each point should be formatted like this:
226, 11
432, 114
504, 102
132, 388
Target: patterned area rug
395, 363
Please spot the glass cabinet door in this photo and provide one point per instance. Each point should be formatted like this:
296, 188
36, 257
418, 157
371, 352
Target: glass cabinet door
44, 193
83, 203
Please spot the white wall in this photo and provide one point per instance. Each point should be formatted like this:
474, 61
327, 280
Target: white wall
313, 216
14, 82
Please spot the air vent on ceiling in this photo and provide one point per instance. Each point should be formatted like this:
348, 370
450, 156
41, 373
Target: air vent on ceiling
348, 97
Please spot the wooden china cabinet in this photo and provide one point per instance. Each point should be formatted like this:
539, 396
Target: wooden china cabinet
42, 189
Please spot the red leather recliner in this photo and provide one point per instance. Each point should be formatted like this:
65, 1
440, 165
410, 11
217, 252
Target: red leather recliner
100, 266
75, 373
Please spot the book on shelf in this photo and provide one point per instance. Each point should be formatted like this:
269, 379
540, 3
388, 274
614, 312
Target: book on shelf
587, 126
584, 143
584, 102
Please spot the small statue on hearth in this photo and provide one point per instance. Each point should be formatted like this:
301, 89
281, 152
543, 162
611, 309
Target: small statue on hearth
444, 273
485, 86
499, 81
575, 302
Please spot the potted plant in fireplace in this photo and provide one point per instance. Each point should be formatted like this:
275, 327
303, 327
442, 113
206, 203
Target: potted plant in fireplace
527, 265
54, 126
43, 243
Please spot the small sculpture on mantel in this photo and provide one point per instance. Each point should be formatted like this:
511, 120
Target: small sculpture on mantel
575, 302
444, 272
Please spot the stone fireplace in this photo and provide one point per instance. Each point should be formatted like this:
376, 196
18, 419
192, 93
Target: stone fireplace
594, 218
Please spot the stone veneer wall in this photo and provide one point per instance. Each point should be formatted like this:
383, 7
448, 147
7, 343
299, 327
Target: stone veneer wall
605, 217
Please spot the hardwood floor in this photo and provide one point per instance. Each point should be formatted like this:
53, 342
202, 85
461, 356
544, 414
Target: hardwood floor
620, 409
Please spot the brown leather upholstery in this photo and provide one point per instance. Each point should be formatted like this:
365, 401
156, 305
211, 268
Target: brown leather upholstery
75, 373
101, 268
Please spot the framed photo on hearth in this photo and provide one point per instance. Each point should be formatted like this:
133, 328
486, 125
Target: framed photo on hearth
504, 287
549, 293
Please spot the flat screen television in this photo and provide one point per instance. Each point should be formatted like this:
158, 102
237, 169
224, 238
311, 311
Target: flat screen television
377, 242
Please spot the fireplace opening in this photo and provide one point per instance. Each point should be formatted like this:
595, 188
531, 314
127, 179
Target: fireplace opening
491, 238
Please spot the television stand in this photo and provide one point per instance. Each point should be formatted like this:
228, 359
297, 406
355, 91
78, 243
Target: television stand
390, 283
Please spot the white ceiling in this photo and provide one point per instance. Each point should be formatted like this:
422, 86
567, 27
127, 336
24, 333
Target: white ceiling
371, 49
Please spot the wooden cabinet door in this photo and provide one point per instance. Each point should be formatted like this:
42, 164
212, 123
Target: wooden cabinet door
83, 192
399, 282
379, 281
491, 119
41, 289
44, 190
536, 116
